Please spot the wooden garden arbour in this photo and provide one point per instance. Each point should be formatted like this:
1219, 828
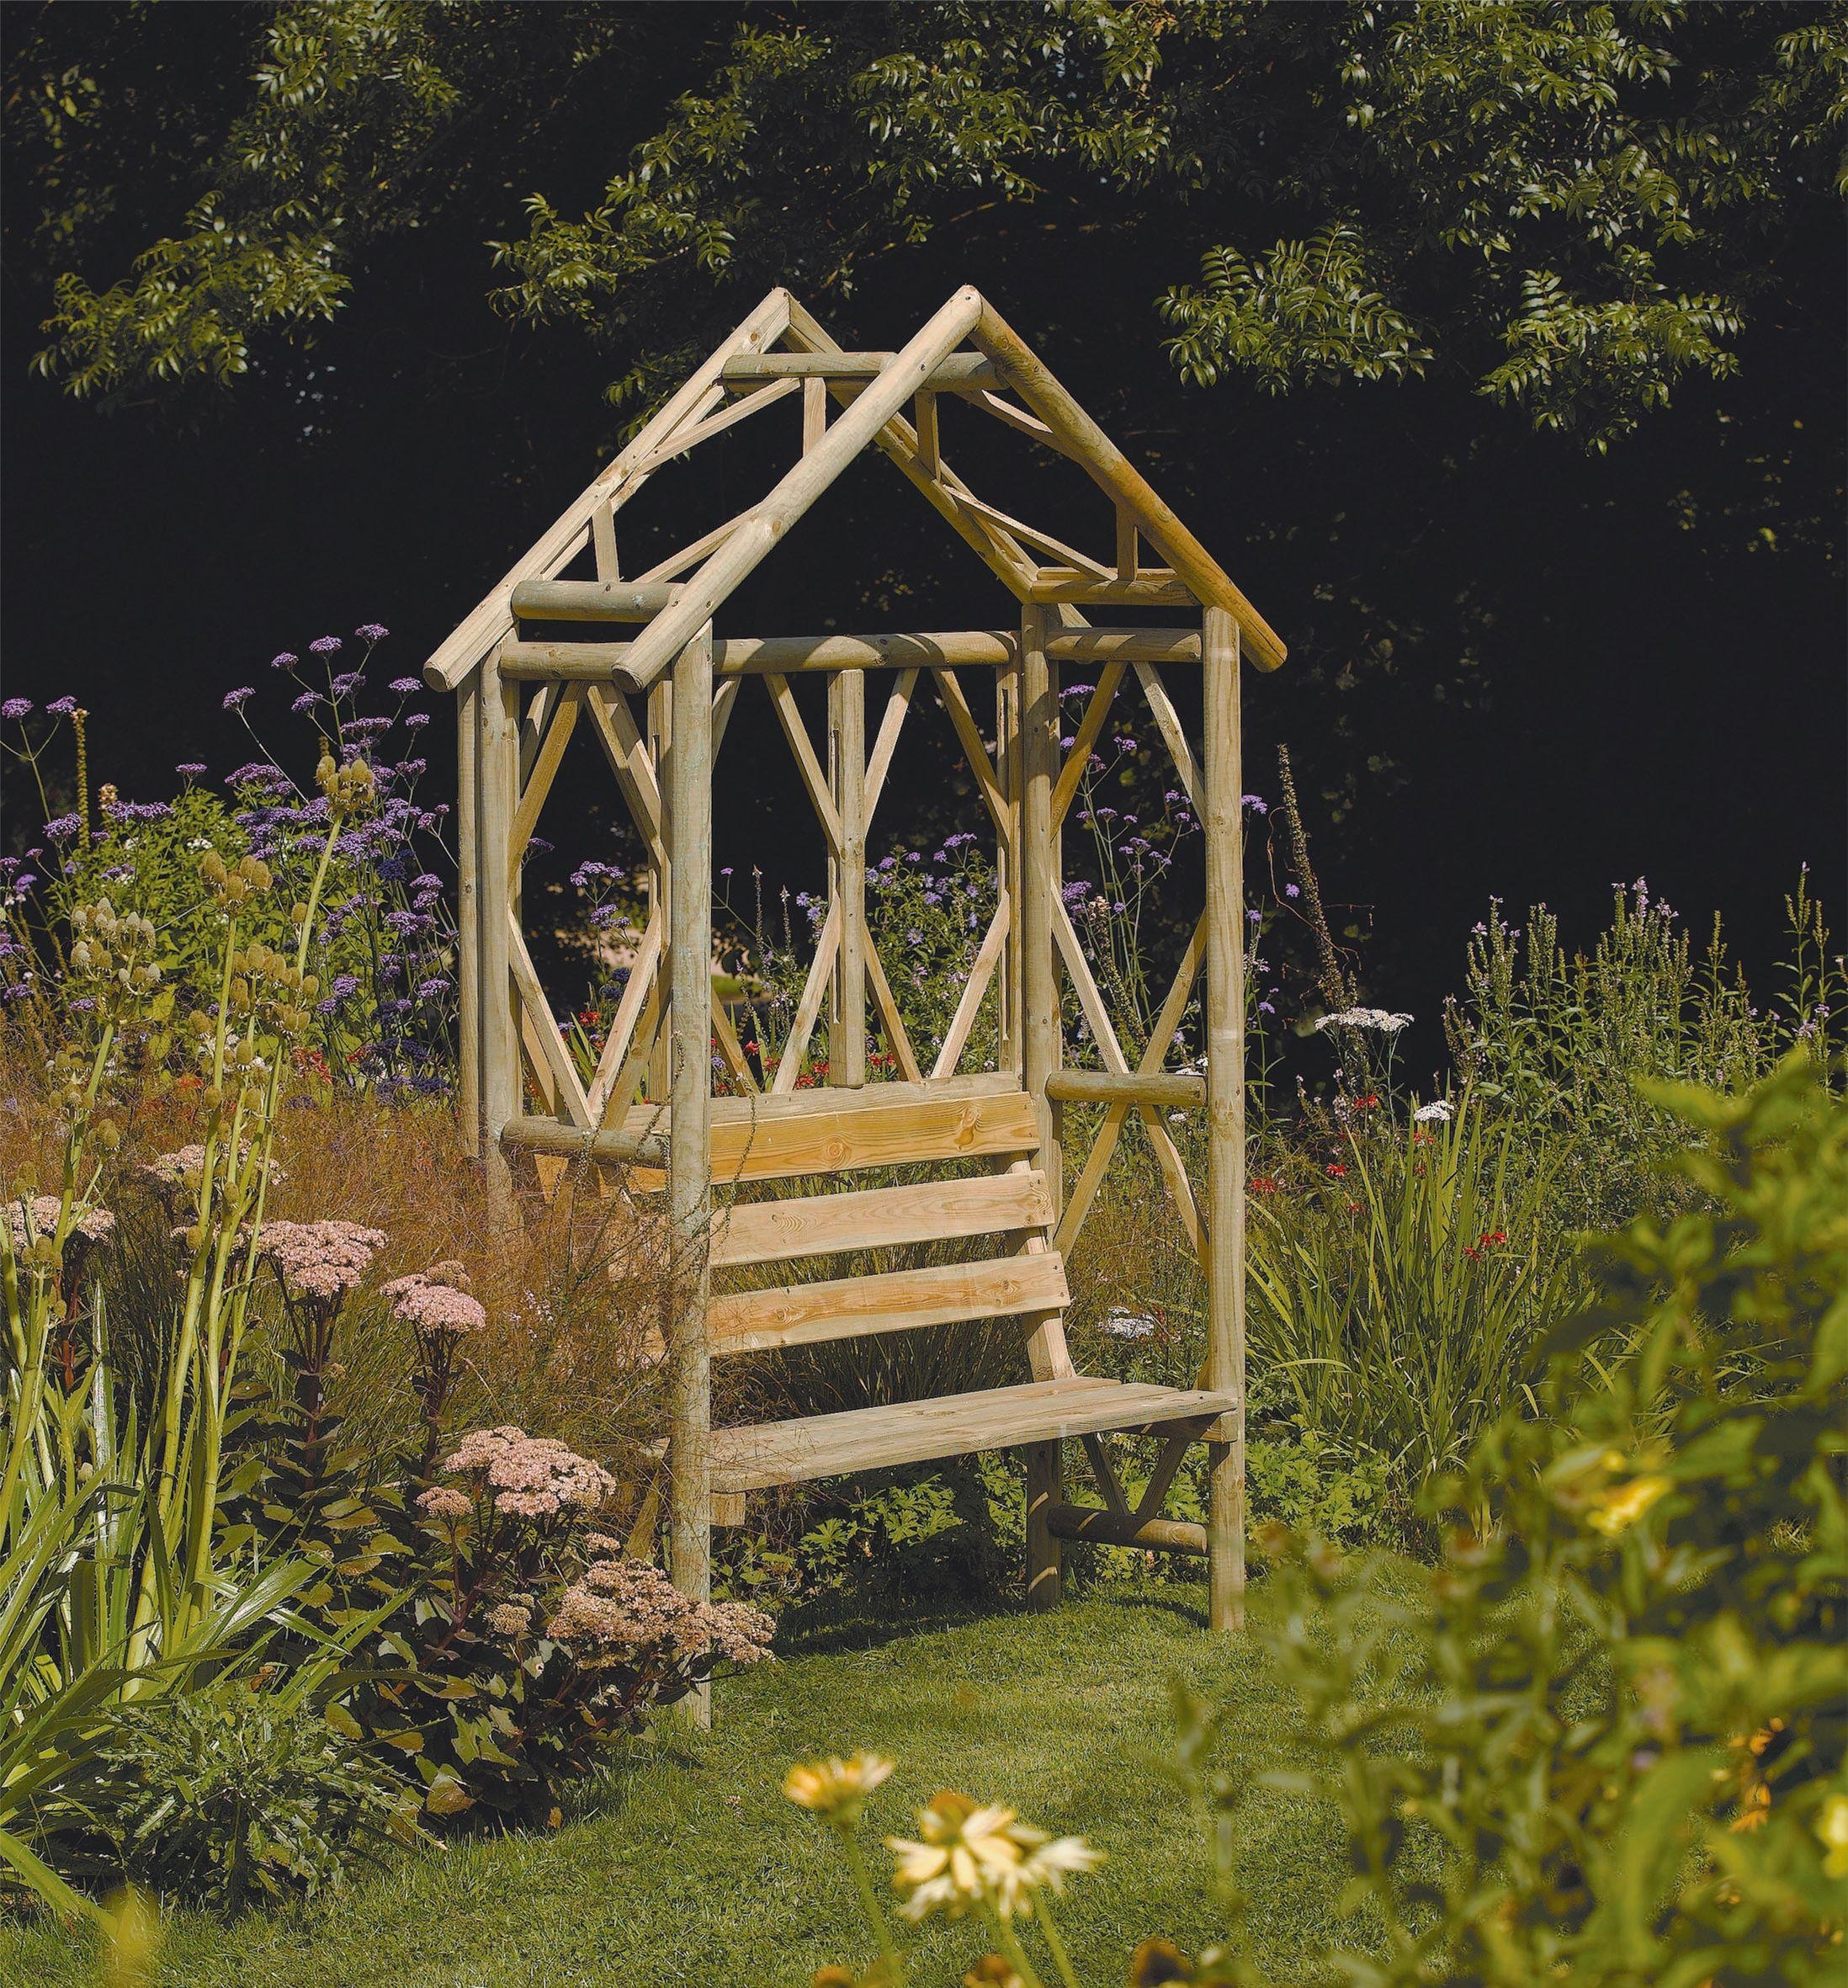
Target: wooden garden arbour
650, 1109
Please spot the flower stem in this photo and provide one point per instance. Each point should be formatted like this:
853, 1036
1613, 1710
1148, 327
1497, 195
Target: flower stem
894, 1966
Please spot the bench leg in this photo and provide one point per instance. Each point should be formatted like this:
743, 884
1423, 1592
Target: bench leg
1044, 1491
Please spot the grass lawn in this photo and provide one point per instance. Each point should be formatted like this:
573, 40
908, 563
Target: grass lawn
689, 1865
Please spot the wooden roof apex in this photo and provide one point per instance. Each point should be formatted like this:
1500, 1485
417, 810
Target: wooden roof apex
872, 391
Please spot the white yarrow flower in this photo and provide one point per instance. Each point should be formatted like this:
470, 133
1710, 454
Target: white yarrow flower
1439, 1112
1382, 1018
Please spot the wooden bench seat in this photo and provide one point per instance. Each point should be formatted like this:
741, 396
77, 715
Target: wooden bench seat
769, 1453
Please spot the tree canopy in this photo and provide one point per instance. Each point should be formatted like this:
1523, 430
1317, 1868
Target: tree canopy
1574, 207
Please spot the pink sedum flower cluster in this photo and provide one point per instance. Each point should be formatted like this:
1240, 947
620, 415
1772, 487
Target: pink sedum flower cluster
530, 1477
621, 1610
93, 1224
319, 1263
430, 1301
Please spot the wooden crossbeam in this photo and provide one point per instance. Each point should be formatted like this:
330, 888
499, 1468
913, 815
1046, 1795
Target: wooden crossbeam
1030, 534
629, 761
1173, 1008
975, 748
808, 1009
879, 761
545, 766
958, 372
1110, 1052
695, 433
815, 779
637, 991
551, 1043
892, 1022
956, 1037
1174, 735
1084, 740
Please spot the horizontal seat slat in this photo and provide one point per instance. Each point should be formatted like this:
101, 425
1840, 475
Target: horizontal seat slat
951, 1425
899, 1301
837, 1131
873, 1218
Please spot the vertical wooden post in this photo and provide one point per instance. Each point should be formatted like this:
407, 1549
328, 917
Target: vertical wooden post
661, 896
847, 727
467, 922
1007, 863
1225, 1113
1039, 718
497, 762
689, 834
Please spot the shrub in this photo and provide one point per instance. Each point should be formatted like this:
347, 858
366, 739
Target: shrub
1604, 1737
241, 1793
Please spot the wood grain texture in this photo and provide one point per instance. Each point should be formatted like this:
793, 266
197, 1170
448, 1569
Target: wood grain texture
891, 1302
950, 1425
876, 1218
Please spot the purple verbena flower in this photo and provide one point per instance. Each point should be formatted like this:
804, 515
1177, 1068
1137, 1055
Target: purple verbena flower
65, 707
234, 700
371, 631
287, 660
16, 707
325, 645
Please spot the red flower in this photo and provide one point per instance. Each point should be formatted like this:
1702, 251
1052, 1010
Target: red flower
1262, 1184
1369, 1102
1337, 1171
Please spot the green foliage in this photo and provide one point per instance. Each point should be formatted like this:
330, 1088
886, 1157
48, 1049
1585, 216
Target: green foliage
1605, 1736
1398, 1286
1558, 1045
239, 1793
1568, 203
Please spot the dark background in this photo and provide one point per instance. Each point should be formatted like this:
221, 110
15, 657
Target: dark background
1518, 670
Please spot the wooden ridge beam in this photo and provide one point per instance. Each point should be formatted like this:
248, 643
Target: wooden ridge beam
590, 600
964, 372
764, 656
1125, 644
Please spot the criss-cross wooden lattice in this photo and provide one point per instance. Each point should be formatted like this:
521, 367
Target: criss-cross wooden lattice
659, 693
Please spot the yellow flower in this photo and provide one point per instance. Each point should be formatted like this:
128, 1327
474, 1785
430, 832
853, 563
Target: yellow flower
837, 1789
969, 1853
1832, 1831
1620, 1507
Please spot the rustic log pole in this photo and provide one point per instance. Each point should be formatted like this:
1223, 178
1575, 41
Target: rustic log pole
497, 761
1225, 1115
1040, 1048
658, 717
690, 1172
847, 715
468, 925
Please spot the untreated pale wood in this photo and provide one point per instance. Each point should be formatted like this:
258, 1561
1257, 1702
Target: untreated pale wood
689, 1168
924, 419
491, 618
815, 989
590, 600
1082, 584
1225, 996
988, 956
1108, 465
821, 1132
975, 748
538, 783
637, 990
876, 1218
815, 779
898, 1042
497, 749
647, 1148
1031, 535
567, 1091
894, 1301
1084, 740
691, 436
960, 372
468, 935
1040, 1050
1166, 1092
950, 1425
758, 655
747, 547
1125, 644
847, 719
1114, 1528
879, 762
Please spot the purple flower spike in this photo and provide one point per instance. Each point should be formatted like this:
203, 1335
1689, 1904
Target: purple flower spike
234, 700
